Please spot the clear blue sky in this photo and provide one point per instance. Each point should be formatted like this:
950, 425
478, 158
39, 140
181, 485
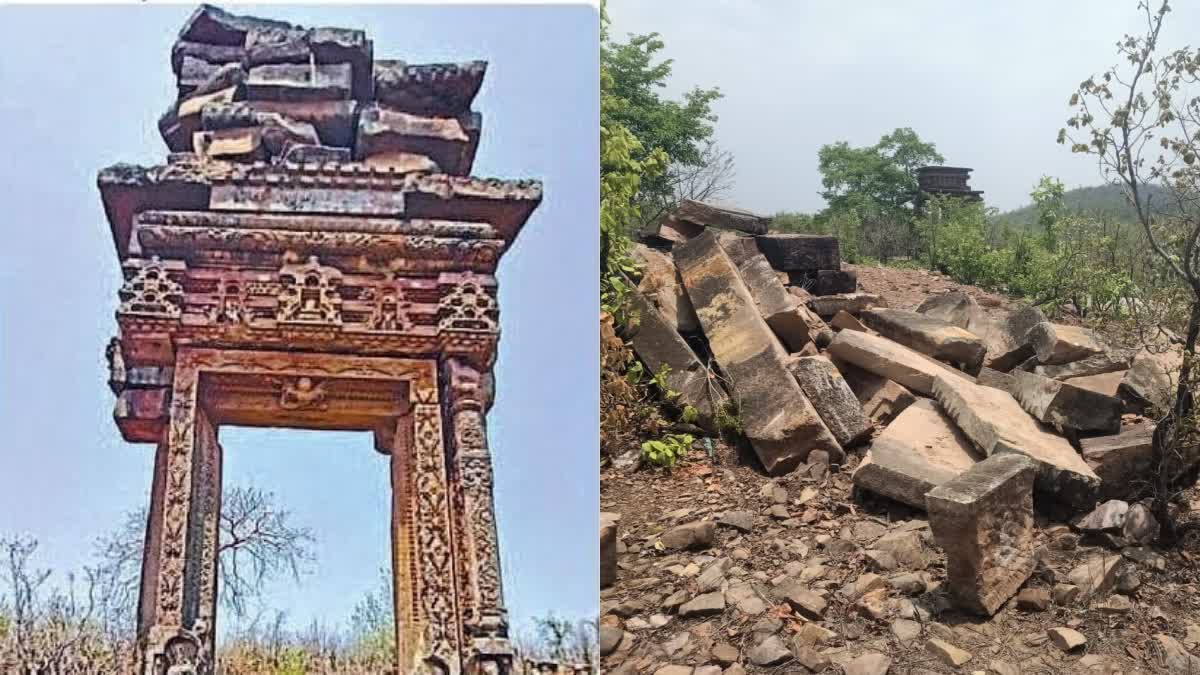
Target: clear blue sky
83, 88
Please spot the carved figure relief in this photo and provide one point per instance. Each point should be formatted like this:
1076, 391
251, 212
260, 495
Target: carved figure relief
309, 293
230, 304
468, 306
302, 393
391, 311
150, 292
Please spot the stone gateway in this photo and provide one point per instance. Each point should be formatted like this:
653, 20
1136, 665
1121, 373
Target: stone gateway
314, 255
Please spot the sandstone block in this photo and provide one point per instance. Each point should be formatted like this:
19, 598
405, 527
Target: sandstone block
1007, 338
920, 450
1118, 458
774, 303
1097, 364
801, 252
983, 520
661, 285
851, 303
890, 360
832, 282
1096, 575
435, 89
1148, 384
779, 421
997, 424
845, 321
608, 551
670, 230
694, 535
299, 82
831, 396
1066, 407
928, 335
995, 379
882, 399
658, 345
1057, 343
954, 307
1105, 384
448, 141
711, 215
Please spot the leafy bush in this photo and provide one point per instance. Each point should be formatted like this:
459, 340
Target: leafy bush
665, 452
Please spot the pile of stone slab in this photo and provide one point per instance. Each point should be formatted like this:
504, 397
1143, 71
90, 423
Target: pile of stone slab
253, 89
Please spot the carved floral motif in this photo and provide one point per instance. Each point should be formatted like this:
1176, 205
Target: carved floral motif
150, 292
309, 293
468, 306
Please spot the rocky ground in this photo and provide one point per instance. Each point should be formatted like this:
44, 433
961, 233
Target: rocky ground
724, 569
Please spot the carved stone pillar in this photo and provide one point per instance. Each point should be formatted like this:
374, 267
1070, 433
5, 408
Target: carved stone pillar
428, 634
177, 603
467, 396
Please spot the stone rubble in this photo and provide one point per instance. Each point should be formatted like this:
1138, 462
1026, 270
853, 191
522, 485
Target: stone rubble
905, 452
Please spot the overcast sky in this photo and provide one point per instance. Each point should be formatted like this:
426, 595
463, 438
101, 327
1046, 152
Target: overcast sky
85, 86
987, 82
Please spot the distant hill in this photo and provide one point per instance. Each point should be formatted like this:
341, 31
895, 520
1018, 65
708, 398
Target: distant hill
1099, 200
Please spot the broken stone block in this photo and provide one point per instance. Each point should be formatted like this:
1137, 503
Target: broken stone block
240, 145
1056, 343
774, 303
450, 142
1105, 384
695, 535
954, 307
831, 396
441, 89
142, 414
1096, 575
277, 46
1066, 639
608, 550
851, 303
1007, 339
1064, 406
947, 653
334, 121
215, 26
997, 424
670, 230
801, 252
983, 520
658, 345
1119, 459
215, 54
711, 215
995, 379
1097, 364
778, 420
833, 282
302, 153
703, 605
1147, 385
920, 450
928, 335
347, 45
1109, 516
179, 124
890, 360
882, 400
844, 321
661, 285
299, 82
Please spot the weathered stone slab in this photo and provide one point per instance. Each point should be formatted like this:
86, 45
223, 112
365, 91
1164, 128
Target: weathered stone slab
919, 450
846, 321
890, 360
1097, 364
142, 414
300, 82
726, 218
995, 379
658, 345
954, 307
774, 303
1107, 384
277, 46
1064, 406
661, 285
1120, 459
834, 282
928, 335
216, 54
779, 421
801, 252
242, 145
882, 399
983, 520
1057, 343
851, 303
215, 26
1007, 338
670, 230
180, 123
832, 397
1147, 384
442, 89
347, 45
997, 424
450, 142
335, 121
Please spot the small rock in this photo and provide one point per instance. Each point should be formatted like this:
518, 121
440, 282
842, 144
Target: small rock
742, 521
610, 637
674, 600
704, 605
707, 670
815, 634
811, 658
725, 653
770, 652
659, 620
908, 583
1033, 599
674, 670
806, 603
1003, 668
779, 495
713, 576
949, 654
881, 561
1177, 659
873, 604
1141, 527
780, 512
906, 630
1097, 575
1065, 594
735, 669
695, 535
1066, 639
862, 585
1108, 516
1115, 604
871, 663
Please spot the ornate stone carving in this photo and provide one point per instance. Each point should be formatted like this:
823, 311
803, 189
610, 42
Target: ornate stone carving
434, 547
309, 294
150, 292
116, 365
468, 306
391, 312
230, 306
302, 393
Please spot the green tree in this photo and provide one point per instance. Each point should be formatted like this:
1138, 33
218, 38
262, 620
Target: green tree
875, 180
632, 78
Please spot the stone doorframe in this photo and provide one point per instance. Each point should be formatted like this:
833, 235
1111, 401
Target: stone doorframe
446, 576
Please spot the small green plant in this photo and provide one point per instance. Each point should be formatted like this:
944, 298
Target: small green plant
728, 420
689, 415
667, 451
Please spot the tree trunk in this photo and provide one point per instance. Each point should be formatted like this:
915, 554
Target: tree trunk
1171, 432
